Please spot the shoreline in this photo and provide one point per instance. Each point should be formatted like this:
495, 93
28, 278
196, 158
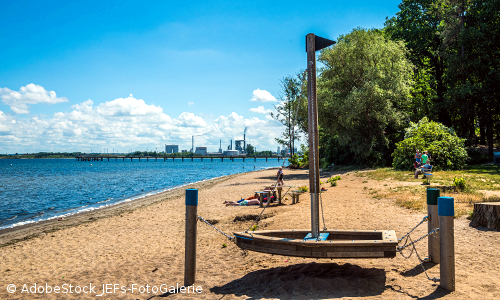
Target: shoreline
15, 234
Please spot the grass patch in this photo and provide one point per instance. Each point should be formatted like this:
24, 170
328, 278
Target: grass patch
415, 198
478, 177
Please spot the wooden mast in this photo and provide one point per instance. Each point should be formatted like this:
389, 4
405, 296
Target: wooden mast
313, 44
312, 111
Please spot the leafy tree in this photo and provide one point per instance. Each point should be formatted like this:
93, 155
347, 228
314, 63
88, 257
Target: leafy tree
418, 27
250, 150
362, 92
445, 147
471, 31
286, 111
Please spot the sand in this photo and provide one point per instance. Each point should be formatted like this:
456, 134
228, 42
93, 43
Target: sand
140, 248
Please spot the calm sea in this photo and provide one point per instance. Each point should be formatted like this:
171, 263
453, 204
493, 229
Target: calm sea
32, 190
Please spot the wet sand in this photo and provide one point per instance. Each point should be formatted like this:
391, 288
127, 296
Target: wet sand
137, 248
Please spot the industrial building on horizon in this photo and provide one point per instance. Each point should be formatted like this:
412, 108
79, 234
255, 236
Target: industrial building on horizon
171, 149
240, 148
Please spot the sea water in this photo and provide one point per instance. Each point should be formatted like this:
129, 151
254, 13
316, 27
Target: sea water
32, 190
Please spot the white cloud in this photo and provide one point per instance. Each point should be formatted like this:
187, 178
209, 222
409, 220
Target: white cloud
187, 119
128, 123
190, 103
29, 94
262, 96
128, 107
260, 110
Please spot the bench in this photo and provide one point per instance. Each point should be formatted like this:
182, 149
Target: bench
427, 174
295, 196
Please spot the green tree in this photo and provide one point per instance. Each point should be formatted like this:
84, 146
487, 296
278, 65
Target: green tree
286, 110
445, 147
250, 150
418, 27
363, 90
471, 31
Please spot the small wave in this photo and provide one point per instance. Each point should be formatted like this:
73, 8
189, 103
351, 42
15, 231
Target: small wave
10, 219
107, 200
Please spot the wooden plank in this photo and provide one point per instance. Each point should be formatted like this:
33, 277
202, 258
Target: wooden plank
355, 254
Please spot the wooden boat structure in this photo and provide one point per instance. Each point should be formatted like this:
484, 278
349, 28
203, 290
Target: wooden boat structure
314, 243
332, 244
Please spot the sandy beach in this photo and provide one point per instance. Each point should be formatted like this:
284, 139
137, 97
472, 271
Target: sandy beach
137, 251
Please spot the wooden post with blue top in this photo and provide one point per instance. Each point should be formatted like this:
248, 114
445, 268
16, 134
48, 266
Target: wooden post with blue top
446, 213
190, 236
433, 223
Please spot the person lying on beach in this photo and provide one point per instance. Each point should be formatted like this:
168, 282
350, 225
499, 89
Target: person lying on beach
255, 196
242, 203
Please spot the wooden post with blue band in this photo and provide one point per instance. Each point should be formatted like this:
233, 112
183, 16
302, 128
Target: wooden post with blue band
190, 235
433, 223
446, 213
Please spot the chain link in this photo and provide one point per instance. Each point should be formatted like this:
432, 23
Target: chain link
426, 218
399, 248
322, 215
414, 249
231, 238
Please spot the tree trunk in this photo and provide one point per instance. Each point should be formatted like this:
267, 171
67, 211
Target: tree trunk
489, 136
486, 214
481, 133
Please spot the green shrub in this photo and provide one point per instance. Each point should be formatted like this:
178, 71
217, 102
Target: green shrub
333, 180
303, 188
460, 183
295, 161
445, 147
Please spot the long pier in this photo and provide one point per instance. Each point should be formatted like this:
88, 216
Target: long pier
182, 158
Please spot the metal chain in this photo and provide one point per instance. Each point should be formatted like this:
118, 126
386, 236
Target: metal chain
322, 215
258, 217
399, 248
426, 218
414, 249
231, 238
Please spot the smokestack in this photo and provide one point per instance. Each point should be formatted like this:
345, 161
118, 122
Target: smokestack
244, 140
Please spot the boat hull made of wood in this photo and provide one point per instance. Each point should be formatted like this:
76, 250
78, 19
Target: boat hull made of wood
338, 243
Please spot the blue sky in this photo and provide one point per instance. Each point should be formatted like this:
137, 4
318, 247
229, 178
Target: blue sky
76, 76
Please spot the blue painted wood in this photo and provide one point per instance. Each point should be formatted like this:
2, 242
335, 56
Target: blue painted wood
322, 236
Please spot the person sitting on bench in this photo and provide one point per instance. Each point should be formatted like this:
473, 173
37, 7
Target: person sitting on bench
425, 168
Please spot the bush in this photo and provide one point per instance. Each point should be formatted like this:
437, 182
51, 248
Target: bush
445, 147
295, 162
333, 180
460, 183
